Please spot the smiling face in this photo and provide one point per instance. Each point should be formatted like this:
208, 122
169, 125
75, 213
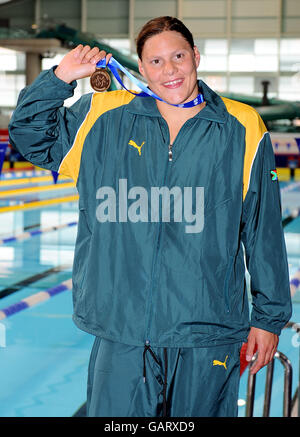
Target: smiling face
169, 65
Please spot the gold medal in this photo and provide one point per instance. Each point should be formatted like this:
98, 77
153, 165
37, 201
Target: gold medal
100, 80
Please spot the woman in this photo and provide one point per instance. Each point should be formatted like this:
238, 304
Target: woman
166, 301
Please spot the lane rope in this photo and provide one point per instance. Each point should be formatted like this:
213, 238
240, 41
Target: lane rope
35, 299
16, 174
40, 231
295, 282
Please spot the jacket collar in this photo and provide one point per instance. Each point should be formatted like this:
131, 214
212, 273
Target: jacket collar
214, 110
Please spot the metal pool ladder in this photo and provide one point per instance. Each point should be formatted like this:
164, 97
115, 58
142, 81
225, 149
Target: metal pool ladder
291, 405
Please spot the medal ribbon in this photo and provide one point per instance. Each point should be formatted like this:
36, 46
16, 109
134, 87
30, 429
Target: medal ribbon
146, 92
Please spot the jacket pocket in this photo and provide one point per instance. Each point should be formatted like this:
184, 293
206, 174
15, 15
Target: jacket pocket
227, 282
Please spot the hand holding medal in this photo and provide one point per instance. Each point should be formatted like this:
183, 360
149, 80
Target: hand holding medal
81, 62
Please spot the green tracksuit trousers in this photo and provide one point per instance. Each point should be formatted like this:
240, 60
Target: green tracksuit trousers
130, 381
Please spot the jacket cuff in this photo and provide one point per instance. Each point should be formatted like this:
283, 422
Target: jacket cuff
265, 326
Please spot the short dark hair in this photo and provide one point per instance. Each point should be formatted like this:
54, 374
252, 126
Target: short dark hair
159, 25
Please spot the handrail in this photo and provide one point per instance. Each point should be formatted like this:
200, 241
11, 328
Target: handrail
250, 390
287, 397
288, 401
296, 398
288, 376
268, 389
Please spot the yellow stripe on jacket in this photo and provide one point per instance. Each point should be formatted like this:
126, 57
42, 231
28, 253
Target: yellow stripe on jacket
255, 130
100, 103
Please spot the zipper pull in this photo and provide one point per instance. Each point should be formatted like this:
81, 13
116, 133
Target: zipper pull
170, 152
147, 346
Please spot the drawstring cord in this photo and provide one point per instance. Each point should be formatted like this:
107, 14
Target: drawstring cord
146, 349
165, 384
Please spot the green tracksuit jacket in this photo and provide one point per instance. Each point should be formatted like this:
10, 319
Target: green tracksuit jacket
140, 275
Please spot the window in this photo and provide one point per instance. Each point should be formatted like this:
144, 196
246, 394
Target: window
253, 55
213, 54
8, 60
241, 84
289, 87
290, 55
10, 86
213, 63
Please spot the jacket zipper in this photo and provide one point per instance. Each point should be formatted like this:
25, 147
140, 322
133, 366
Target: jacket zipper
149, 302
170, 152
